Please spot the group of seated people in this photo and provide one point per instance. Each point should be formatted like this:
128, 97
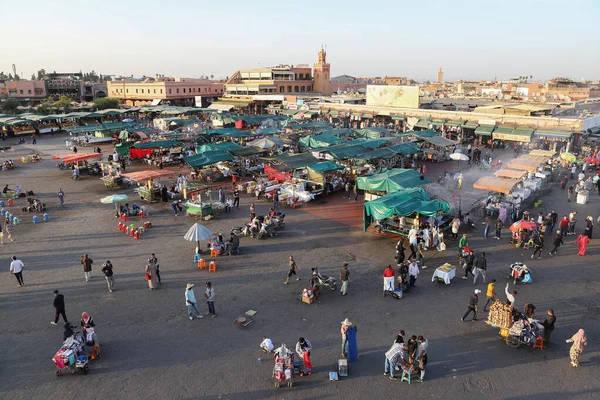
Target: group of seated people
8, 164
34, 204
134, 210
225, 247
18, 192
268, 223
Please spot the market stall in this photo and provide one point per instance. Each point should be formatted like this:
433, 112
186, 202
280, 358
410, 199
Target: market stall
326, 171
111, 174
510, 173
78, 161
494, 184
149, 189
411, 202
528, 162
389, 181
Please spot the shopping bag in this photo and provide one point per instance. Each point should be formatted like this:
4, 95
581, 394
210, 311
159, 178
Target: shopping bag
307, 363
148, 276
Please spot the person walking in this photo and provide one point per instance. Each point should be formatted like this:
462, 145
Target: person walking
154, 260
344, 277
107, 270
1, 235
488, 224
347, 186
570, 193
455, 227
355, 190
87, 267
16, 269
472, 308
468, 266
579, 340
564, 226
558, 240
549, 326
61, 197
490, 295
151, 277
589, 227
413, 273
303, 348
538, 243
480, 268
572, 222
252, 212
292, 271
59, 307
8, 229
190, 301
210, 298
582, 242
236, 198
499, 226
276, 200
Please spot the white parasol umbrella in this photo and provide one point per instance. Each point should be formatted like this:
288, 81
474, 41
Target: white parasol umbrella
116, 199
459, 157
197, 233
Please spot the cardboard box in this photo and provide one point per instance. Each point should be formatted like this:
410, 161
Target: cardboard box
307, 300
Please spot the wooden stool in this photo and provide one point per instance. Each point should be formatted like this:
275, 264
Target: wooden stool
214, 253
406, 375
539, 343
212, 267
201, 263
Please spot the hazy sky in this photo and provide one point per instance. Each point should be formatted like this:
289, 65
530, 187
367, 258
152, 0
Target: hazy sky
468, 39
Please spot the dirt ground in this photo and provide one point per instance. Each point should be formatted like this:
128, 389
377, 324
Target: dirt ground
151, 350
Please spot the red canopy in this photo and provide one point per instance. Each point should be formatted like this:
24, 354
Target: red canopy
274, 174
71, 158
593, 160
522, 224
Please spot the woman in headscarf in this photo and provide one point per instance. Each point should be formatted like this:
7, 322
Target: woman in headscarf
579, 340
87, 329
589, 227
582, 242
151, 276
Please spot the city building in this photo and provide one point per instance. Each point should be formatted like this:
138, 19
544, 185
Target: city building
64, 84
396, 81
175, 91
25, 91
272, 80
562, 88
440, 75
322, 74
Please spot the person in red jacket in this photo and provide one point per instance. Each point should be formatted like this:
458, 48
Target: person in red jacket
564, 226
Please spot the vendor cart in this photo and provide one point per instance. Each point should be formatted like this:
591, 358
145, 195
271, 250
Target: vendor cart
515, 328
71, 357
283, 370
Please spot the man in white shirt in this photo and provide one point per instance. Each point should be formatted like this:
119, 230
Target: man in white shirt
510, 297
190, 301
16, 269
413, 273
266, 345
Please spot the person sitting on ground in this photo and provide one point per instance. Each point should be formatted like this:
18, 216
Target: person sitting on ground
266, 345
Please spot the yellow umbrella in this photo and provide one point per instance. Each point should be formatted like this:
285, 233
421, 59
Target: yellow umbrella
568, 157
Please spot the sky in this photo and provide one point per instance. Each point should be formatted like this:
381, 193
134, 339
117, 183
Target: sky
186, 38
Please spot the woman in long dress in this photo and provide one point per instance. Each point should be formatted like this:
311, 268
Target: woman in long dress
579, 340
582, 242
151, 273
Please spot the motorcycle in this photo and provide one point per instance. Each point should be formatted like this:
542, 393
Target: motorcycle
326, 281
469, 222
266, 230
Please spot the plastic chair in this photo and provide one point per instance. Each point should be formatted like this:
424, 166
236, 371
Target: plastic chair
120, 227
197, 257
16, 221
133, 233
35, 219
2, 204
539, 343
11, 202
406, 376
214, 253
46, 217
201, 263
212, 267
137, 235
141, 214
124, 217
3, 210
132, 226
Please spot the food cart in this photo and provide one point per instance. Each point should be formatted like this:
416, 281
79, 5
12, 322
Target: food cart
149, 189
111, 175
515, 328
79, 161
195, 205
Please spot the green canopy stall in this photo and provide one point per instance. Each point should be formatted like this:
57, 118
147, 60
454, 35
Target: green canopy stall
403, 203
391, 180
208, 158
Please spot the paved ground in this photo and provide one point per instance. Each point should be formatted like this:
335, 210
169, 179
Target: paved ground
150, 349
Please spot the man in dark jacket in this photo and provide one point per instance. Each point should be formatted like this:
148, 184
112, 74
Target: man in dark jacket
469, 264
472, 305
558, 240
59, 306
538, 242
480, 268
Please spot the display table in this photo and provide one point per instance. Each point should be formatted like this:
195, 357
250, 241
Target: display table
112, 182
149, 195
445, 273
198, 208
